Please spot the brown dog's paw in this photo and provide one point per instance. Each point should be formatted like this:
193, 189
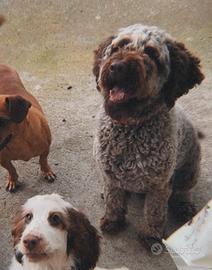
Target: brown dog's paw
152, 244
112, 227
49, 176
13, 186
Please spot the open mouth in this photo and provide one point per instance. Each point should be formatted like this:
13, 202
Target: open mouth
117, 95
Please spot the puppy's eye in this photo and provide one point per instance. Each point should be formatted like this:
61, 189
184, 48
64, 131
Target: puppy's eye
28, 217
55, 220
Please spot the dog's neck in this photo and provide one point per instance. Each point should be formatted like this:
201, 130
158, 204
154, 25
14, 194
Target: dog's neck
128, 122
140, 119
137, 113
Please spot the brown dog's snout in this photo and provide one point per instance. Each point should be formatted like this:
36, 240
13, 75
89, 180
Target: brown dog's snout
31, 242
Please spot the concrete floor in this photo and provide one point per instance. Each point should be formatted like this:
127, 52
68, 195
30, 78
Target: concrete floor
50, 44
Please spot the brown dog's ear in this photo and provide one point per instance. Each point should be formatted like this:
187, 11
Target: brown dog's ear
98, 55
17, 107
18, 227
17, 231
184, 74
82, 241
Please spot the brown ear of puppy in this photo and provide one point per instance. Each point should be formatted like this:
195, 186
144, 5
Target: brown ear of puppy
18, 227
82, 241
98, 55
185, 72
17, 107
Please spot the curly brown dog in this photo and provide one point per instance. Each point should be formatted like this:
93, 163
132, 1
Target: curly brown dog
24, 130
144, 143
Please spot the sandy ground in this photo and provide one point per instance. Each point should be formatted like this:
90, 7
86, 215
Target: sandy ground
50, 43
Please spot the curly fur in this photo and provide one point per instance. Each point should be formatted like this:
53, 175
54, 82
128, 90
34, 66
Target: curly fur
144, 143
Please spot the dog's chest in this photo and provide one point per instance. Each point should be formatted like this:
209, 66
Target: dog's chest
134, 156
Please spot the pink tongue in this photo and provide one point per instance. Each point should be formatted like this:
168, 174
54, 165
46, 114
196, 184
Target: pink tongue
116, 95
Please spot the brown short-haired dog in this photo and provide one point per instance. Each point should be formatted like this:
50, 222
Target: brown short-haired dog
24, 130
145, 144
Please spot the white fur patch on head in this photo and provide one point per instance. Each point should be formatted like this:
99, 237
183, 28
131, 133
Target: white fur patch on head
51, 201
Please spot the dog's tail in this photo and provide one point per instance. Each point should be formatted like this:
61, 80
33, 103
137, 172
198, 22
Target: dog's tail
2, 20
200, 135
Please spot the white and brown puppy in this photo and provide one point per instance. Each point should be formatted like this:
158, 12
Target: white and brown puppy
50, 234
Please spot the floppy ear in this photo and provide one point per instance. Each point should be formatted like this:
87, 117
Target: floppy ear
184, 74
98, 55
17, 107
18, 227
83, 241
17, 230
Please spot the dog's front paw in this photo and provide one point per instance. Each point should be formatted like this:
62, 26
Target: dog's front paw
12, 185
112, 226
49, 176
151, 244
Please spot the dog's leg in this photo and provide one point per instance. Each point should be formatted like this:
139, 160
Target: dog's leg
184, 179
181, 206
155, 216
45, 168
116, 209
13, 176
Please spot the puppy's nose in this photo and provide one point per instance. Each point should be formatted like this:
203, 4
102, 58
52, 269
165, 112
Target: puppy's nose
31, 242
118, 67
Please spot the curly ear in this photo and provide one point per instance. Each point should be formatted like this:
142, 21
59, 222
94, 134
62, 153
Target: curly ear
98, 55
17, 107
184, 74
82, 241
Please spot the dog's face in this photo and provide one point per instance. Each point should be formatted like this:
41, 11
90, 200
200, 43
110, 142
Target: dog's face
48, 228
142, 64
13, 110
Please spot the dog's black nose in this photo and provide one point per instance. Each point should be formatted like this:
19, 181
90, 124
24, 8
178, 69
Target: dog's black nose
118, 67
31, 242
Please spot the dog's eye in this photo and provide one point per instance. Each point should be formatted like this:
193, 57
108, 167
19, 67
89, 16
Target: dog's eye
154, 55
152, 52
123, 42
28, 217
114, 49
55, 220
